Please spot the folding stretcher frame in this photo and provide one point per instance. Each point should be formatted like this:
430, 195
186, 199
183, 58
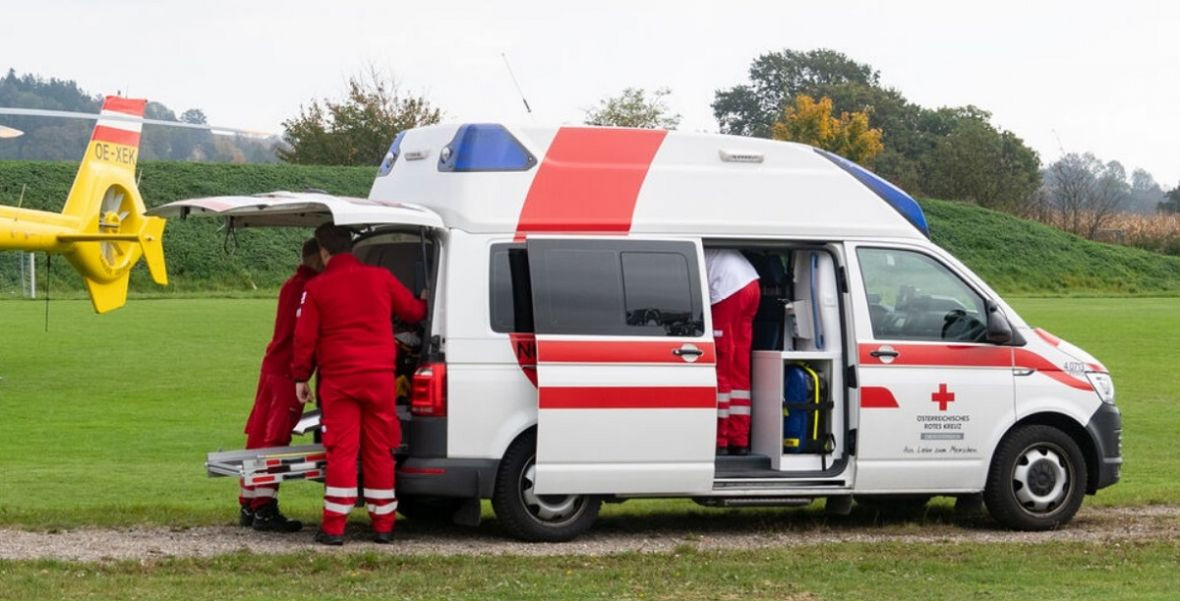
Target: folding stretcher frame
270, 465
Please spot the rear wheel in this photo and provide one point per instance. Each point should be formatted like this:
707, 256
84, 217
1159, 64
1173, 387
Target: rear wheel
1037, 479
532, 517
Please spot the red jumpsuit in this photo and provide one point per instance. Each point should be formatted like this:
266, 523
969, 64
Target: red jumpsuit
344, 326
276, 410
733, 319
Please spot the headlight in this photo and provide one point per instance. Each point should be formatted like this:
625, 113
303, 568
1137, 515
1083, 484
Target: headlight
1103, 385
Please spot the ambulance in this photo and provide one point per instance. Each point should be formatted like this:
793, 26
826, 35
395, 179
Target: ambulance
568, 358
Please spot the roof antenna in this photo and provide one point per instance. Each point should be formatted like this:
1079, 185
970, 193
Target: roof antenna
527, 108
1058, 138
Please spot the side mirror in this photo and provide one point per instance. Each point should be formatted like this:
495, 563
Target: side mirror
999, 331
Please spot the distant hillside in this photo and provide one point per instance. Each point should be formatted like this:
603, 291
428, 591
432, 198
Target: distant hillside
49, 138
1013, 255
1020, 256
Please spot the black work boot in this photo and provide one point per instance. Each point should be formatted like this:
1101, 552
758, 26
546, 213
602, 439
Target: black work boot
332, 540
383, 538
245, 516
268, 519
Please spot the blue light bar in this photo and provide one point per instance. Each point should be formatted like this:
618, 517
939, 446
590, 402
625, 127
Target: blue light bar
485, 147
391, 156
903, 203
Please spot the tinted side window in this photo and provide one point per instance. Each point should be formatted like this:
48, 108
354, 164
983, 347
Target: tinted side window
509, 290
913, 297
623, 288
657, 295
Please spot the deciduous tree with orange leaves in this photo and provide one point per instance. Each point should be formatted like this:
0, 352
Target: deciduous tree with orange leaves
811, 122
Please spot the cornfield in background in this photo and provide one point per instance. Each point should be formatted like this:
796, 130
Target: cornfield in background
1159, 233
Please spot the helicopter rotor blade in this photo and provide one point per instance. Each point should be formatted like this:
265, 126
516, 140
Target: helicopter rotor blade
213, 129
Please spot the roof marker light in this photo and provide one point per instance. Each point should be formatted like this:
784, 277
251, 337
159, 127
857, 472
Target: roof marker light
391, 155
741, 156
901, 202
485, 147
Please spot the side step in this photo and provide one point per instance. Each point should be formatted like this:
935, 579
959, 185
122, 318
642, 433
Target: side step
270, 465
753, 501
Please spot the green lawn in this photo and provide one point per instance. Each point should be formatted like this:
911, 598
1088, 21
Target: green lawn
107, 419
845, 572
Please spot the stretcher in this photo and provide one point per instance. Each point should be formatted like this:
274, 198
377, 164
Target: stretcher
271, 465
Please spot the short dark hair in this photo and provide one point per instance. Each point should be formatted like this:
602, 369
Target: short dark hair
333, 238
311, 248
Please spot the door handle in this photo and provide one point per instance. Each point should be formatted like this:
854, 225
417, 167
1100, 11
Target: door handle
886, 354
688, 352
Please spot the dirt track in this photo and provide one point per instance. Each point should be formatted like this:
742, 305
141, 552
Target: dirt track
654, 533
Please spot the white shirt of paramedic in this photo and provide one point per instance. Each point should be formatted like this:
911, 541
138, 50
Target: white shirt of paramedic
728, 272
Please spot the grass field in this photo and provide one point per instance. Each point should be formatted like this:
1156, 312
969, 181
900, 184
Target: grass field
846, 572
108, 418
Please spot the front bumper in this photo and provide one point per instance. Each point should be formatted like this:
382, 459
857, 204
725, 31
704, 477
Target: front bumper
1106, 431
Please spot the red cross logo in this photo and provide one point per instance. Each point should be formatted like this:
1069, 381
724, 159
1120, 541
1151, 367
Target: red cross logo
942, 397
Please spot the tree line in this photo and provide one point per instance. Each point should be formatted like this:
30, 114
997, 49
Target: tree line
819, 97
65, 139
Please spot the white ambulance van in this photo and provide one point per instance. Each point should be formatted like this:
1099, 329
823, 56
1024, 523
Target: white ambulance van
568, 359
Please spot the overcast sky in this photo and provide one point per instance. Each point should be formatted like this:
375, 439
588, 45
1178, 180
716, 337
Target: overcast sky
1084, 76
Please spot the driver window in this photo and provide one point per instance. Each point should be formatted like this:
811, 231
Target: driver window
913, 297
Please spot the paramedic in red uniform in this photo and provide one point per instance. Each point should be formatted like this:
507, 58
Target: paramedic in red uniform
734, 294
345, 329
276, 408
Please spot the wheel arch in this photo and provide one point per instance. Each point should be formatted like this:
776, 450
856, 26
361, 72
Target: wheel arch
1075, 431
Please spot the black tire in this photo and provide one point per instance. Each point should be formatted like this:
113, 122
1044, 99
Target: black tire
537, 518
1037, 479
894, 505
429, 509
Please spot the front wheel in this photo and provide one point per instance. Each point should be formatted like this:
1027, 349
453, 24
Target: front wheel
1037, 479
532, 517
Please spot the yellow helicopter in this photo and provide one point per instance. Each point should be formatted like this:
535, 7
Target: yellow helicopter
102, 230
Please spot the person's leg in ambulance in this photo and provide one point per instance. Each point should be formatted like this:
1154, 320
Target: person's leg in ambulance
281, 416
380, 435
342, 433
722, 341
741, 340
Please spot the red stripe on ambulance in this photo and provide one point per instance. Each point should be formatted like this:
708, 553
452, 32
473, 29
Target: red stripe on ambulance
939, 355
609, 397
580, 351
942, 355
589, 181
877, 397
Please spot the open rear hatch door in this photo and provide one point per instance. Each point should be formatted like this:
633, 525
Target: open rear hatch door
291, 209
300, 209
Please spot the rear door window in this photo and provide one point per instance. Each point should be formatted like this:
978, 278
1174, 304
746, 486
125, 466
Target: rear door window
616, 287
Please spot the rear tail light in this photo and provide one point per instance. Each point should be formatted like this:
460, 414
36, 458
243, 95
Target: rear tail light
428, 393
